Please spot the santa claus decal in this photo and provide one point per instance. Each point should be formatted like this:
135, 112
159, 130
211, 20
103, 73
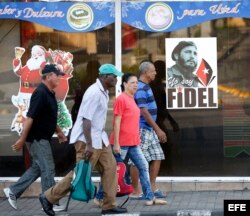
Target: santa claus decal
30, 78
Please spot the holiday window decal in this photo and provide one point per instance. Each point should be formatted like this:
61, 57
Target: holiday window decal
30, 78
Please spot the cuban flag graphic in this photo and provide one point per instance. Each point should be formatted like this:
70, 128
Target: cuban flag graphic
205, 73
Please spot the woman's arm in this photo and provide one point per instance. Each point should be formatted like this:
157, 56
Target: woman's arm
117, 126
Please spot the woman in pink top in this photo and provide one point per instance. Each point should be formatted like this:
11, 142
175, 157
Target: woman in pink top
125, 136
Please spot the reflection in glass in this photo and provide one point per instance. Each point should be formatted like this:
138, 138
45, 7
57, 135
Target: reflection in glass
89, 51
210, 142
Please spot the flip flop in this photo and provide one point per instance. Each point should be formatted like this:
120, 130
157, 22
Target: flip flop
156, 202
136, 196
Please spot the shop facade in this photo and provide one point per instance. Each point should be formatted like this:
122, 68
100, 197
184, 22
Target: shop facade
213, 134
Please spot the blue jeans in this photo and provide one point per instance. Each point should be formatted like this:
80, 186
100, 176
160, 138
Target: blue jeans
42, 165
137, 157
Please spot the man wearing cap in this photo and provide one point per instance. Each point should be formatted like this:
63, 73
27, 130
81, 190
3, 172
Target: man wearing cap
182, 73
91, 143
39, 127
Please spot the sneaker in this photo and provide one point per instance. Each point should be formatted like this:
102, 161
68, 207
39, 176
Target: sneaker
114, 211
159, 194
155, 202
58, 208
11, 197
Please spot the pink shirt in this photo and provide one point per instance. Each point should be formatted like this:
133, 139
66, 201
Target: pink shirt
125, 106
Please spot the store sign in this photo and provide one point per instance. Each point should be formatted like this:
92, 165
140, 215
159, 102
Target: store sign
64, 16
168, 16
162, 16
191, 73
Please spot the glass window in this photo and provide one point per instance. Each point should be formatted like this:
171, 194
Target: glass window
89, 50
203, 142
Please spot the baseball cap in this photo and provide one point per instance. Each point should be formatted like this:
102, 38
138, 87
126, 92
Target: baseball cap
180, 46
109, 69
49, 68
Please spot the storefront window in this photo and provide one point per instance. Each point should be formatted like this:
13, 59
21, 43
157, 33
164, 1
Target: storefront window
89, 50
209, 142
203, 141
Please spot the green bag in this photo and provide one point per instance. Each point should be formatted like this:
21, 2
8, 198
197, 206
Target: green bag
82, 187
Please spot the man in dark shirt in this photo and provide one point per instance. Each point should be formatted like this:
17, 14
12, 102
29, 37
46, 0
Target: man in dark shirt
39, 127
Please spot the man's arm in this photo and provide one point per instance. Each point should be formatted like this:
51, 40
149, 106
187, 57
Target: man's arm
87, 134
61, 137
21, 141
160, 133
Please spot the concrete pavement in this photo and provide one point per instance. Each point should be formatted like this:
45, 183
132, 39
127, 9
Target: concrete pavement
203, 203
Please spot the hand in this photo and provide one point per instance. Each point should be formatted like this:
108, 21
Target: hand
161, 136
18, 145
89, 150
116, 149
61, 137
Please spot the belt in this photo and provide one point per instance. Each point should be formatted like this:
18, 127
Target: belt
29, 85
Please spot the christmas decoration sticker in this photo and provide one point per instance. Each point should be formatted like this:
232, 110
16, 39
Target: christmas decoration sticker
30, 78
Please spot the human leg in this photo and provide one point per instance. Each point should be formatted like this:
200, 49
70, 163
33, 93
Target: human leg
99, 195
16, 190
42, 154
62, 188
133, 170
107, 163
98, 200
134, 174
25, 180
136, 155
154, 171
155, 156
135, 181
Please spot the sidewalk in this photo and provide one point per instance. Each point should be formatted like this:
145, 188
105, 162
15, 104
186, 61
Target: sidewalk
205, 203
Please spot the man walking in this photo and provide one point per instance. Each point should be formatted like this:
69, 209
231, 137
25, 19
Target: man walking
150, 132
92, 143
39, 127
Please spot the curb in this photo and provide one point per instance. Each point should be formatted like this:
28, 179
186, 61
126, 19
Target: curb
167, 213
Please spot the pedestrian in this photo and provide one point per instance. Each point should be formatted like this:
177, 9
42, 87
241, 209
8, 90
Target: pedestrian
125, 136
181, 74
150, 133
91, 143
92, 71
39, 127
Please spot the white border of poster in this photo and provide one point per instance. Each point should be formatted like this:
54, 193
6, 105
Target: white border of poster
199, 89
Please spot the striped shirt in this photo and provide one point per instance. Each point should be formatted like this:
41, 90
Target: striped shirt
144, 98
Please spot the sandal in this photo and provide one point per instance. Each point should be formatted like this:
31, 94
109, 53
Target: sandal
98, 202
135, 196
155, 202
